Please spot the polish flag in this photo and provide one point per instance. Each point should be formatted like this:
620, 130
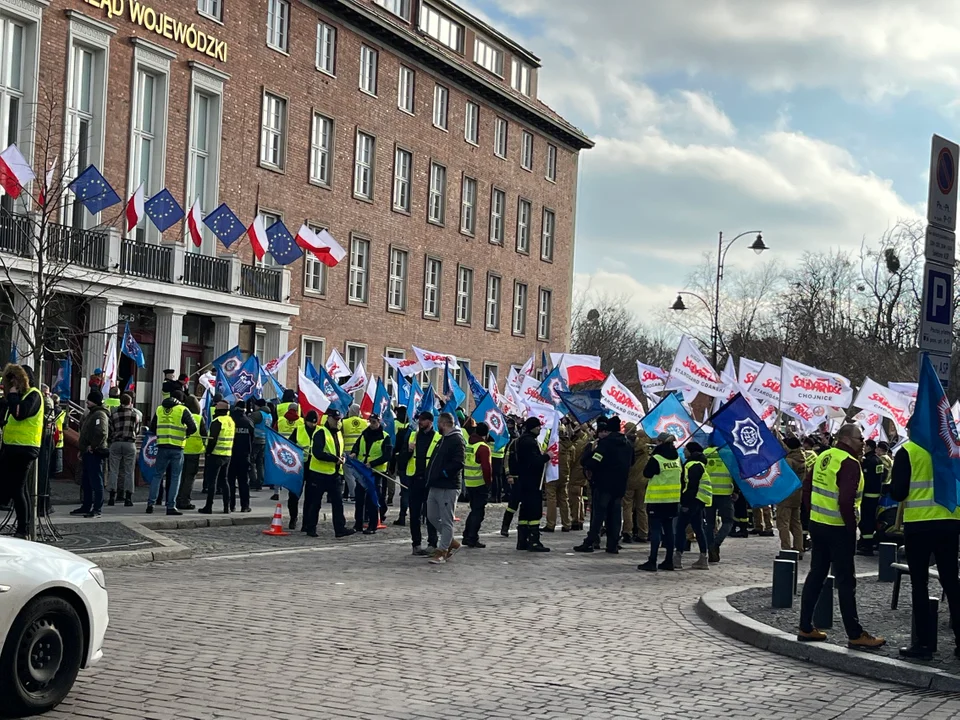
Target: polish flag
322, 244
134, 209
193, 223
14, 172
366, 404
47, 183
257, 232
310, 396
576, 369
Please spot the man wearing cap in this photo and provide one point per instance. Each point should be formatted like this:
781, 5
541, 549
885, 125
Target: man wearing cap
325, 472
238, 472
609, 466
526, 464
169, 384
420, 447
373, 448
353, 427
663, 471
478, 477
171, 424
217, 458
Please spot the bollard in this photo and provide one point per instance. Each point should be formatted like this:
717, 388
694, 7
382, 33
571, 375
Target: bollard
934, 622
784, 571
888, 556
823, 611
794, 557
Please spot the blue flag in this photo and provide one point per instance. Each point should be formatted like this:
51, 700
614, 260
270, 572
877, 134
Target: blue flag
584, 406
206, 407
754, 446
131, 348
267, 380
93, 191
428, 402
282, 246
381, 407
772, 486
247, 382
451, 388
164, 210
148, 455
338, 397
62, 385
366, 478
225, 225
230, 362
551, 387
932, 428
671, 417
14, 354
403, 390
223, 387
544, 362
413, 400
282, 463
476, 388
488, 412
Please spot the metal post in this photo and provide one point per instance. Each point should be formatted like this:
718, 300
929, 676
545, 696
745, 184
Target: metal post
715, 331
823, 611
888, 556
794, 557
784, 572
934, 625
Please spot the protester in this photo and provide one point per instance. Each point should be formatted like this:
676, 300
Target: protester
192, 453
353, 427
374, 449
695, 496
527, 463
260, 417
636, 488
609, 467
93, 448
420, 449
478, 477
302, 437
171, 424
663, 471
218, 452
721, 482
874, 475
443, 483
398, 463
326, 476
123, 432
788, 511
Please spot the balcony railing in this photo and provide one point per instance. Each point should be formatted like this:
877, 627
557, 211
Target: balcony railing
143, 260
16, 232
87, 248
206, 272
261, 283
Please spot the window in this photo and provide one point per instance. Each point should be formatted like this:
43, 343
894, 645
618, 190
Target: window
397, 290
321, 145
520, 77
368, 69
273, 129
487, 56
543, 315
85, 100
431, 288
204, 161
498, 206
210, 8
526, 151
500, 138
259, 343
546, 240
326, 48
493, 302
519, 308
468, 206
278, 24
389, 372
552, 163
523, 226
363, 167
356, 354
268, 220
313, 351
402, 169
488, 369
441, 97
464, 295
471, 124
441, 28
397, 7
359, 270
406, 87
437, 207
149, 129
314, 273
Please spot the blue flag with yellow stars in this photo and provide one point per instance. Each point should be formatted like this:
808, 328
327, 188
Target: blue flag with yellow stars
93, 191
282, 246
164, 210
225, 225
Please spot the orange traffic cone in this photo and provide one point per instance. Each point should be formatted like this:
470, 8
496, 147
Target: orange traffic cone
276, 525
380, 525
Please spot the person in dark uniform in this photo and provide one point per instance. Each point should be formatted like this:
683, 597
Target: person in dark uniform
420, 447
398, 463
526, 464
373, 449
874, 477
609, 466
325, 476
238, 473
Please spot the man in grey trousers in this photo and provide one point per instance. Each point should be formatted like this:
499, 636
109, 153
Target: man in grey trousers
443, 482
124, 428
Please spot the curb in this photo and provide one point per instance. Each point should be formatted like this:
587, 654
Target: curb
719, 614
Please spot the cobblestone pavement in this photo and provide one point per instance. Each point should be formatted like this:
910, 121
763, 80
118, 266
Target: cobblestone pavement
361, 629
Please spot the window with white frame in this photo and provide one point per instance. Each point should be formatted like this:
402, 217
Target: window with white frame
313, 351
369, 60
278, 24
524, 210
359, 270
406, 89
326, 48
468, 206
487, 56
259, 343
492, 321
526, 151
431, 287
543, 315
519, 308
390, 372
149, 132
437, 209
489, 368
314, 272
400, 8
520, 77
441, 27
441, 99
356, 354
500, 137
269, 219
204, 159
402, 171
471, 123
363, 166
552, 163
464, 295
498, 208
211, 8
321, 149
397, 286
273, 128
86, 84
546, 239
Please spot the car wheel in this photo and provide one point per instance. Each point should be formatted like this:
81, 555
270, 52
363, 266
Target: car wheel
41, 656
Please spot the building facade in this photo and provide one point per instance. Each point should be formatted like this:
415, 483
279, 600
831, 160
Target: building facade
409, 129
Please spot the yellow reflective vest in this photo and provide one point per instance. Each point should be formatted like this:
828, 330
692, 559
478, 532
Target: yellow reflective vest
228, 430
327, 467
920, 505
825, 493
705, 490
721, 481
27, 432
664, 487
472, 470
60, 420
170, 429
412, 462
195, 442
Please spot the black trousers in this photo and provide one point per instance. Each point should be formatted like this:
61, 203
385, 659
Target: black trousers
13, 483
404, 499
382, 490
366, 509
944, 547
215, 478
315, 485
256, 466
530, 510
868, 520
832, 546
191, 466
478, 504
605, 507
239, 474
293, 505
418, 513
499, 484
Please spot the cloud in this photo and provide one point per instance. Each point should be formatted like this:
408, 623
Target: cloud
646, 301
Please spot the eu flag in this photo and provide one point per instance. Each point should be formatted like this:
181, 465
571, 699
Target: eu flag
366, 478
282, 246
282, 463
230, 362
584, 406
225, 225
932, 428
164, 210
93, 191
488, 412
754, 446
131, 348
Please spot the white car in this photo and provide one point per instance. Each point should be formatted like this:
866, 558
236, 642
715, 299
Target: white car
53, 618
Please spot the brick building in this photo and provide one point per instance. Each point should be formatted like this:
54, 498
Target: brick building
409, 129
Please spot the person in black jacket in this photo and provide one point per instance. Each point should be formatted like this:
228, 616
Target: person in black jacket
373, 448
443, 483
319, 483
874, 475
239, 470
692, 508
527, 463
609, 466
663, 500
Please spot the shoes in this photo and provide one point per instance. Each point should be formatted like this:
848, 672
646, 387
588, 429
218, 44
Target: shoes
576, 526
293, 524
187, 506
627, 538
173, 511
613, 551
245, 509
439, 557
766, 533
400, 522
275, 497
678, 560
80, 511
454, 546
587, 547
149, 509
370, 531
548, 529
866, 641
648, 566
233, 508
701, 563
916, 652
666, 565
93, 514
112, 500
476, 545
504, 532
564, 529
420, 552
813, 635
346, 533
713, 555
313, 534
226, 510
205, 510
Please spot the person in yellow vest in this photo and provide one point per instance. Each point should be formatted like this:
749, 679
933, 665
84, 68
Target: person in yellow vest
636, 488
216, 460
928, 529
721, 482
478, 478
112, 402
22, 435
696, 496
834, 505
302, 437
324, 476
420, 447
663, 471
172, 423
192, 452
60, 415
373, 448
810, 453
353, 426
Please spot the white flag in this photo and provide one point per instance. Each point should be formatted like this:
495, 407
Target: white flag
616, 396
956, 412
692, 367
528, 367
652, 378
801, 383
749, 369
874, 397
866, 419
337, 366
729, 377
909, 389
514, 380
429, 360
806, 414
277, 363
766, 385
357, 380
110, 364
404, 366
553, 450
493, 389
530, 392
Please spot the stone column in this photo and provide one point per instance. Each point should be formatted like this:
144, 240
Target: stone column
102, 320
226, 334
166, 352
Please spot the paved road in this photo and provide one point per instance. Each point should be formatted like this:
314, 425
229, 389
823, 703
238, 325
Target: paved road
363, 630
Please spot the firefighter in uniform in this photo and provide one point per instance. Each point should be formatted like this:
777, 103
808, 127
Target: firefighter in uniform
527, 464
874, 476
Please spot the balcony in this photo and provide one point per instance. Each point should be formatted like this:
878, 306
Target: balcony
143, 260
75, 246
15, 233
261, 283
209, 273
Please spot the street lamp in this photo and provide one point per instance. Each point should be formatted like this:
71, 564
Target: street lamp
679, 305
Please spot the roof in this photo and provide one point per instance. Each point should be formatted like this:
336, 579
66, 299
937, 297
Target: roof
514, 47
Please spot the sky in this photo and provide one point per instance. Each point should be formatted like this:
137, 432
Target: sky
809, 121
